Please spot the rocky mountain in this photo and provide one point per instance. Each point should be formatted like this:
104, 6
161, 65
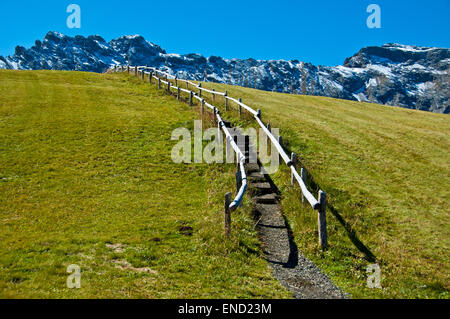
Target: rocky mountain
394, 74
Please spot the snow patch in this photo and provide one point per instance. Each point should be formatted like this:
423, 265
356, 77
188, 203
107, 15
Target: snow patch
424, 87
381, 69
372, 82
408, 48
360, 97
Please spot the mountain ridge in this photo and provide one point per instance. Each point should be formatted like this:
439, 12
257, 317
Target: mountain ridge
394, 74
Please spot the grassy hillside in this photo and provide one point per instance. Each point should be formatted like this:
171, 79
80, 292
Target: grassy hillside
387, 174
86, 178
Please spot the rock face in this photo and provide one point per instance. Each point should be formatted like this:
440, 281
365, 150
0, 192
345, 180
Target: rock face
394, 74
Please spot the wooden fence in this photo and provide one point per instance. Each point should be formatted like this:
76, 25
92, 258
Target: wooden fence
162, 78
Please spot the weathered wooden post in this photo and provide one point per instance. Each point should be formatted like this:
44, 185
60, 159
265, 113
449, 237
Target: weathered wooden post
176, 80
135, 71
159, 83
280, 141
115, 68
240, 107
203, 106
200, 90
128, 67
178, 93
150, 77
226, 100
304, 175
143, 75
168, 87
227, 214
269, 128
258, 113
214, 96
294, 162
322, 220
238, 178
216, 120
187, 85
191, 96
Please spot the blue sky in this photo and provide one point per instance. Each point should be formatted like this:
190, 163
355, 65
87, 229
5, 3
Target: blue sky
322, 31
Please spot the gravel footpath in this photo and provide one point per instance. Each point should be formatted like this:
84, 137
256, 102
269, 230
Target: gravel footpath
290, 267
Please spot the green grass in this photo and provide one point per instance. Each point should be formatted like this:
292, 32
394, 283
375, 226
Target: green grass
386, 171
86, 178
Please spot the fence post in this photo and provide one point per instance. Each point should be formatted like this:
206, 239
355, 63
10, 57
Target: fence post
240, 107
135, 71
115, 68
187, 85
269, 127
322, 220
200, 90
168, 86
238, 178
258, 114
214, 96
203, 106
150, 77
191, 95
227, 214
178, 93
159, 83
294, 162
128, 68
143, 75
304, 175
226, 100
176, 80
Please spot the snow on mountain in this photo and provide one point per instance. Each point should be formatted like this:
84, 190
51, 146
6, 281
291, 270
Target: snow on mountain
394, 74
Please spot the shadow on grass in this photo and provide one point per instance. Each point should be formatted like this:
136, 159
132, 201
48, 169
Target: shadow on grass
351, 233
370, 257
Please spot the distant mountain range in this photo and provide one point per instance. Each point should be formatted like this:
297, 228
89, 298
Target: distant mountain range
394, 74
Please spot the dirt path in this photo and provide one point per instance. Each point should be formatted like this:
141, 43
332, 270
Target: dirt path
290, 267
